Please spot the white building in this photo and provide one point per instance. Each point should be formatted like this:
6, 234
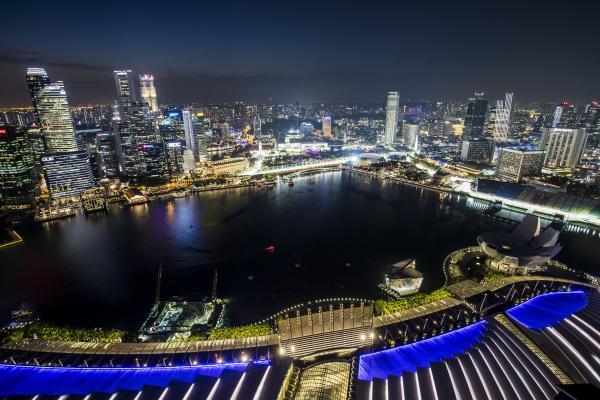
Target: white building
391, 118
148, 91
563, 146
502, 118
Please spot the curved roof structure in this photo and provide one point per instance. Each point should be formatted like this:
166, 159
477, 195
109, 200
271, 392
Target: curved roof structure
527, 242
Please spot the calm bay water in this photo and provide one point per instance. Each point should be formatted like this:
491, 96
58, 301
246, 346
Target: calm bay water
100, 270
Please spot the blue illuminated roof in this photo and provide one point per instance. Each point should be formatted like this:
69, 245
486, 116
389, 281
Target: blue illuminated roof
547, 309
21, 379
420, 354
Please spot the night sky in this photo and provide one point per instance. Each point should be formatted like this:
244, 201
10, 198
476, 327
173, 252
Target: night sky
212, 51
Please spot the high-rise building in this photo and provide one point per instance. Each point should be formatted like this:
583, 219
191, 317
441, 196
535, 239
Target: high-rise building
410, 136
68, 174
502, 118
108, 161
475, 116
590, 121
257, 126
197, 133
135, 128
564, 147
37, 79
202, 133
67, 169
17, 171
565, 116
516, 163
148, 91
306, 129
155, 161
326, 127
479, 150
391, 118
56, 118
174, 153
125, 85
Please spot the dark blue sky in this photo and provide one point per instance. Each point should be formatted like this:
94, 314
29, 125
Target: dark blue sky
211, 51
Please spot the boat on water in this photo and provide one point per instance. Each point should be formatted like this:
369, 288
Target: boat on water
291, 183
270, 249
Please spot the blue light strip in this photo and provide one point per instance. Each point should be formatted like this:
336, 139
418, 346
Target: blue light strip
547, 309
31, 380
409, 357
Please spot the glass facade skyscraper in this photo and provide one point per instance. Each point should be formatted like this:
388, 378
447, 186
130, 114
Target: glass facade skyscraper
475, 116
391, 118
37, 79
17, 171
56, 118
148, 91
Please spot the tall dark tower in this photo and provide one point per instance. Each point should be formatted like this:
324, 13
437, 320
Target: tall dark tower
37, 79
475, 116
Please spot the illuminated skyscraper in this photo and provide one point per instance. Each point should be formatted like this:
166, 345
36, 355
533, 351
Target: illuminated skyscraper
17, 171
306, 129
67, 170
475, 116
257, 126
197, 132
125, 85
565, 116
590, 121
563, 146
56, 118
326, 126
515, 163
37, 79
391, 118
502, 118
148, 91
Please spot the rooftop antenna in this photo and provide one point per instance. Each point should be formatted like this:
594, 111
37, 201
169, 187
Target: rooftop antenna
158, 281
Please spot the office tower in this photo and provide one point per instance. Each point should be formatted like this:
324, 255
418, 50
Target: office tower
197, 133
479, 150
17, 171
68, 174
189, 162
326, 127
67, 170
155, 161
565, 116
56, 118
108, 161
257, 126
171, 127
590, 121
174, 154
306, 129
516, 163
410, 136
37, 79
135, 128
391, 118
148, 91
475, 116
188, 128
502, 118
125, 85
38, 147
202, 132
564, 147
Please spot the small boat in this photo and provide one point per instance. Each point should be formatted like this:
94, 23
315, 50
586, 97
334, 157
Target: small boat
270, 249
297, 265
347, 263
291, 183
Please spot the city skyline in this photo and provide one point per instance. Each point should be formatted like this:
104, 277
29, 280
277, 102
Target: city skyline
322, 53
